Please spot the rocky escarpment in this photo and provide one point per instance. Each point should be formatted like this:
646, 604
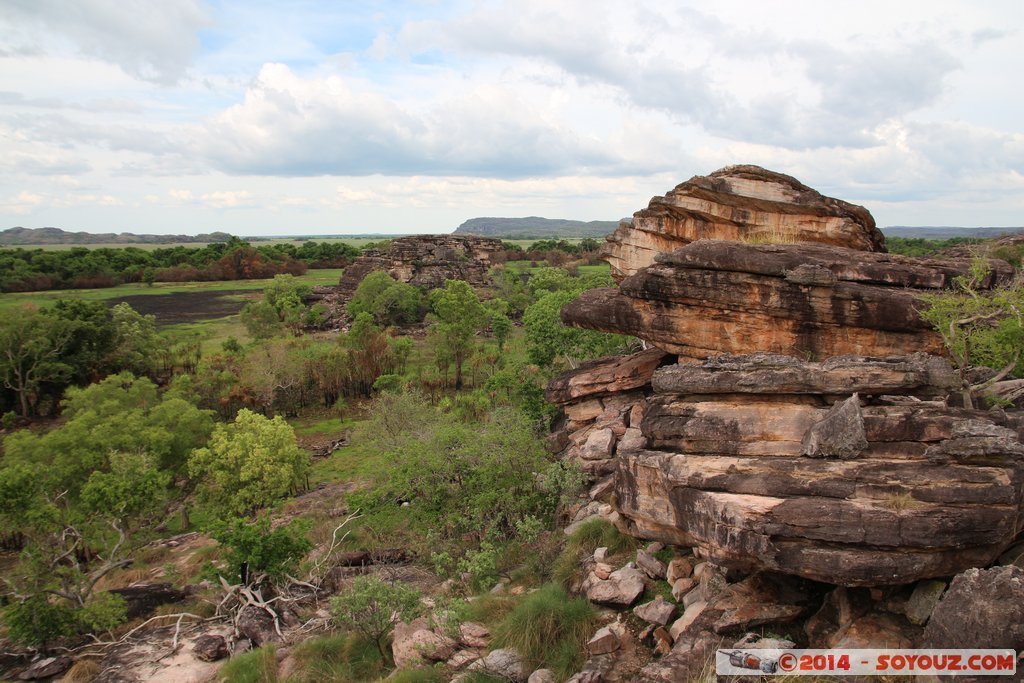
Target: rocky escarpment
426, 261
738, 203
715, 296
792, 414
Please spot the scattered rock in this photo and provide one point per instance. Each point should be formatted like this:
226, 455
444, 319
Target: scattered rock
681, 588
678, 568
662, 641
981, 606
603, 488
923, 601
473, 634
46, 668
604, 641
257, 625
712, 581
542, 676
657, 611
602, 570
622, 587
600, 554
654, 548
651, 565
689, 616
504, 662
415, 641
461, 658
210, 648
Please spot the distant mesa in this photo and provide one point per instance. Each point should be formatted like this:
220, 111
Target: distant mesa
535, 228
45, 236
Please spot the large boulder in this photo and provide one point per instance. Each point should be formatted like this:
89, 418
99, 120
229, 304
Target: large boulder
981, 608
738, 203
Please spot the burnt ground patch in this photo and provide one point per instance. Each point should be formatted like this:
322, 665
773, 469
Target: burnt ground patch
187, 307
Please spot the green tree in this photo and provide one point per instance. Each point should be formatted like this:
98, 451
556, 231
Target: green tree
32, 346
458, 315
249, 464
256, 551
261, 320
981, 325
390, 302
548, 339
373, 607
137, 345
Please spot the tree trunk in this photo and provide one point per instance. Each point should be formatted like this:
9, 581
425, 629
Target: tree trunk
458, 370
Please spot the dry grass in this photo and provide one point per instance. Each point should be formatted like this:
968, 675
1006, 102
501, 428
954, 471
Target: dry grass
768, 237
900, 501
119, 578
83, 671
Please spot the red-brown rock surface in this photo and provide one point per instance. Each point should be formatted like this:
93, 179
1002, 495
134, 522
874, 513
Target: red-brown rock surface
714, 297
738, 203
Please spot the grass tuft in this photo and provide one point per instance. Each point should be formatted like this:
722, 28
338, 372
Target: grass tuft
596, 533
340, 658
550, 629
257, 666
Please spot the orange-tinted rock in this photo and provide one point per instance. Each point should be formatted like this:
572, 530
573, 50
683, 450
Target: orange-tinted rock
738, 203
719, 297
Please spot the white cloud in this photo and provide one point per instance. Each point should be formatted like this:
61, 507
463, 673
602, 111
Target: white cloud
154, 41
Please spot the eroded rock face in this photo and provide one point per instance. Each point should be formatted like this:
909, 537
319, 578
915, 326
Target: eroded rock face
426, 261
713, 297
724, 461
738, 203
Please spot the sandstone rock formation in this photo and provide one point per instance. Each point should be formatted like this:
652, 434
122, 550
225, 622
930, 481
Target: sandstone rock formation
738, 203
426, 261
714, 296
714, 455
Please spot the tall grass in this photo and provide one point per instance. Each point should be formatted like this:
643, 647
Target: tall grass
340, 658
596, 533
549, 629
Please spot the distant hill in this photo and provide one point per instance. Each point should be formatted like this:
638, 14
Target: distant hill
942, 232
535, 227
13, 237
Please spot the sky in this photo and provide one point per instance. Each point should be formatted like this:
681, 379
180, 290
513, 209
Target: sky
288, 118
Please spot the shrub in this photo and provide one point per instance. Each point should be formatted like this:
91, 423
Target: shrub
550, 629
37, 620
373, 607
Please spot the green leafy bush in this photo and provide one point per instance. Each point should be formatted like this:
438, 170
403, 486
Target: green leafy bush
38, 620
372, 607
261, 550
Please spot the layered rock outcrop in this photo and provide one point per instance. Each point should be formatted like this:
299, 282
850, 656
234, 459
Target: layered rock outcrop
720, 455
738, 203
426, 261
792, 414
715, 296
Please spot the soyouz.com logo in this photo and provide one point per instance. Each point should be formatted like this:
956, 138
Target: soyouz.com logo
745, 661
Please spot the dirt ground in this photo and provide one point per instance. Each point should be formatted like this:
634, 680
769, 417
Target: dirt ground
187, 307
